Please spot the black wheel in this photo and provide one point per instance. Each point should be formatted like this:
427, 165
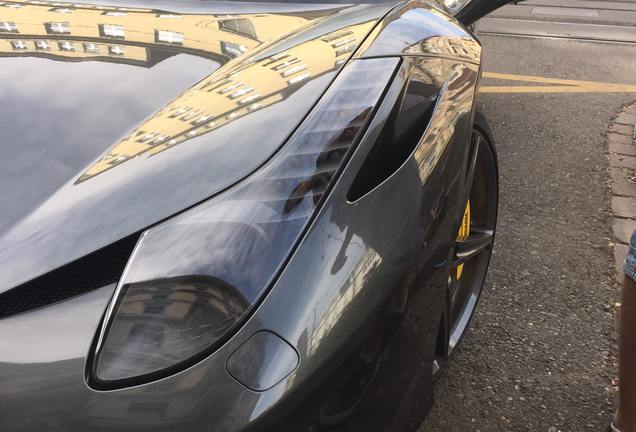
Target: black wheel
474, 243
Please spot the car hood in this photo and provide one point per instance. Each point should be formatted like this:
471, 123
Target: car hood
116, 116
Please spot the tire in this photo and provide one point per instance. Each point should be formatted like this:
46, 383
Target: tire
472, 252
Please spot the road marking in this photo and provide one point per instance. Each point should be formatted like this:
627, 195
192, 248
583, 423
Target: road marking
565, 12
558, 85
625, 33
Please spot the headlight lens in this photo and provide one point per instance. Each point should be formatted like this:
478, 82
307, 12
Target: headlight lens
190, 280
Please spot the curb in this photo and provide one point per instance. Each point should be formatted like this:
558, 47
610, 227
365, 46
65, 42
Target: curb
622, 160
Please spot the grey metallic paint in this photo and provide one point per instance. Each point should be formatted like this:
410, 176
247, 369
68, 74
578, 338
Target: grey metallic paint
83, 109
341, 276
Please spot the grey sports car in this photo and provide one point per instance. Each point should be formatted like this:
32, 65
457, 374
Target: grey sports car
230, 216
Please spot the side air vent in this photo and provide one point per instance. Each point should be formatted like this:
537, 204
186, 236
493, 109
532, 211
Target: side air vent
398, 139
93, 271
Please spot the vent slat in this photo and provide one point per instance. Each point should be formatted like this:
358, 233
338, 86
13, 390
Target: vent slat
96, 270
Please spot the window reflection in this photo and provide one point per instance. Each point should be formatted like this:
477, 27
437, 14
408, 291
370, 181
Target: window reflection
42, 46
66, 46
57, 28
169, 37
110, 30
8, 27
91, 48
19, 45
63, 10
231, 49
240, 26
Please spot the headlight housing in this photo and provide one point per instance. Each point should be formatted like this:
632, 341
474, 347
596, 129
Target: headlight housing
193, 279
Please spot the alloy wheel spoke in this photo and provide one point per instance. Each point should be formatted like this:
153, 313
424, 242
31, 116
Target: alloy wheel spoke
470, 175
472, 246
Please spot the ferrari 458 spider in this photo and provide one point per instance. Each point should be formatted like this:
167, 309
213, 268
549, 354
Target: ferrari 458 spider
234, 217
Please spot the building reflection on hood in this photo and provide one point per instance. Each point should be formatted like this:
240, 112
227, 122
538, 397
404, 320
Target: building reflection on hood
145, 37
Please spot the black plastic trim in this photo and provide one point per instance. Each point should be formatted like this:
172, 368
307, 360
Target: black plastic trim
95, 270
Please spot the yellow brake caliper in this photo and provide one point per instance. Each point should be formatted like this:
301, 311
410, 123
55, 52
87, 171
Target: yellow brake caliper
464, 232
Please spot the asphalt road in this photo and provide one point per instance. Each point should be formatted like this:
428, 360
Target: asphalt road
539, 355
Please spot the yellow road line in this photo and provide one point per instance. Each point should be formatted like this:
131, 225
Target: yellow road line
559, 85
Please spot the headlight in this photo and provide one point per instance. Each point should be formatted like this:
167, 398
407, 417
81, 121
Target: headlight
192, 279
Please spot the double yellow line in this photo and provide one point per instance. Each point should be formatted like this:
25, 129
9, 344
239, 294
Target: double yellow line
555, 85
